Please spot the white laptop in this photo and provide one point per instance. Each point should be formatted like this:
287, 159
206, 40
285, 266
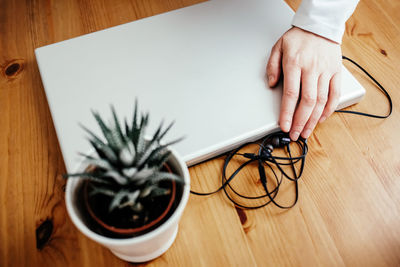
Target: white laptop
202, 66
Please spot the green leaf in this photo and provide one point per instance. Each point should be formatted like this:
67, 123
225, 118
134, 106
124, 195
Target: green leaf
116, 131
90, 176
117, 125
160, 176
96, 146
100, 122
143, 174
141, 142
117, 199
129, 172
127, 131
166, 130
146, 191
134, 121
105, 152
94, 137
144, 120
175, 141
130, 197
145, 155
156, 154
127, 156
159, 191
102, 163
117, 142
100, 190
162, 158
106, 132
157, 133
118, 178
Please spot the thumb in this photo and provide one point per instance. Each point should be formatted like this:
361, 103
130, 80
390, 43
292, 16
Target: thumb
274, 64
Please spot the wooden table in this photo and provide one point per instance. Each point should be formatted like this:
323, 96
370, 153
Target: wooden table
348, 212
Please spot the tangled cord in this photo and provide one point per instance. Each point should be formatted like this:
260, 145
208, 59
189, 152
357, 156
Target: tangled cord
264, 158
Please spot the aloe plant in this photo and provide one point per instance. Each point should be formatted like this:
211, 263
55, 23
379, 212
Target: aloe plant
127, 167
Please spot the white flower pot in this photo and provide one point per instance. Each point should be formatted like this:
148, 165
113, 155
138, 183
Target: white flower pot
135, 249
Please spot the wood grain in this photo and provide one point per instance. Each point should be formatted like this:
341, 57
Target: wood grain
349, 206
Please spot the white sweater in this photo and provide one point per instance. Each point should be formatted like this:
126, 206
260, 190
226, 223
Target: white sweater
326, 18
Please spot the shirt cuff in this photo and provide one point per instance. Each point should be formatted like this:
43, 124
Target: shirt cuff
309, 24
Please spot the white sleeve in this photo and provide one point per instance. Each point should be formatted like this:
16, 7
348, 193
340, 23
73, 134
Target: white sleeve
326, 18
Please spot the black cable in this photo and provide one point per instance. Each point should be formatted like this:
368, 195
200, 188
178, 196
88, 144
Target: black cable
380, 87
264, 158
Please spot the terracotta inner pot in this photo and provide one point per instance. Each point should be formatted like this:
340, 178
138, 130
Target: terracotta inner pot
130, 231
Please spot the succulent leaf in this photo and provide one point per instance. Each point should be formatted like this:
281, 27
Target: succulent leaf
129, 197
127, 131
117, 141
127, 156
160, 158
117, 200
116, 176
103, 191
100, 122
134, 122
140, 136
145, 155
129, 172
144, 173
94, 137
102, 163
94, 177
105, 151
146, 191
160, 176
117, 125
107, 132
159, 191
156, 155
166, 131
131, 147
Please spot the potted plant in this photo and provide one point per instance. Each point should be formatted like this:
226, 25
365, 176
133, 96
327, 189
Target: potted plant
129, 193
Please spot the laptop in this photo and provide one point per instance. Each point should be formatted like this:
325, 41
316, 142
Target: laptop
201, 66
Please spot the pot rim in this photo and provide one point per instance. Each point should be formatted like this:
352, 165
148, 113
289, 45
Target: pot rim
175, 159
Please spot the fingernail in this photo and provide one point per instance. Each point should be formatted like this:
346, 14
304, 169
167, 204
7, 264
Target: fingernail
285, 126
322, 119
294, 135
307, 133
270, 80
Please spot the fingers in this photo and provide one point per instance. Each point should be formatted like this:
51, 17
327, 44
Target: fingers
322, 96
312, 63
307, 103
333, 98
274, 64
291, 88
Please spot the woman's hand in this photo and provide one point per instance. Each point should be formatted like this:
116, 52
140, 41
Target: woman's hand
311, 67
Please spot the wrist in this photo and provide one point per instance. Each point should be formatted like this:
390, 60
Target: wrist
305, 31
